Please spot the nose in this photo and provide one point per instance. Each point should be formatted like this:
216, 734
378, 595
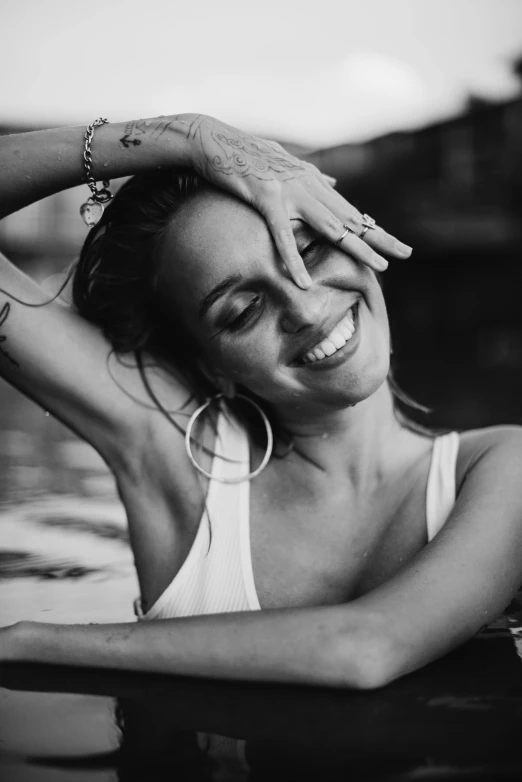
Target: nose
302, 308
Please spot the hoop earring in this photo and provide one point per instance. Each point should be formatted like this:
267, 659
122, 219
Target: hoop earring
269, 441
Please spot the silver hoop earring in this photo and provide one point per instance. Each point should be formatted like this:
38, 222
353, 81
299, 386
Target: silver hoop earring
269, 441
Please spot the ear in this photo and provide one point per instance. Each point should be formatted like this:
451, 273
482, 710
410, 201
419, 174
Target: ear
225, 385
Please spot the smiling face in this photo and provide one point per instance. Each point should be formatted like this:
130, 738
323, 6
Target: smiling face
221, 272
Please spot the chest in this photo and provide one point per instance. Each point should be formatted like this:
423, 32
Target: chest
324, 545
310, 542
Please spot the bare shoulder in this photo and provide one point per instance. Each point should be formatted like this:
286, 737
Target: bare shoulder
501, 446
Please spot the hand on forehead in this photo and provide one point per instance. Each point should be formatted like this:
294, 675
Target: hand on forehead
212, 237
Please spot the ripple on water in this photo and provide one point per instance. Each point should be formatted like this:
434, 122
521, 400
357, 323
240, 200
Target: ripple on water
23, 564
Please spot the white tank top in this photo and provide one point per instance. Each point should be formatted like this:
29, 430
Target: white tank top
218, 578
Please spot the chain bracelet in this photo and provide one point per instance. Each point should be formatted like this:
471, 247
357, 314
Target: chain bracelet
102, 195
92, 210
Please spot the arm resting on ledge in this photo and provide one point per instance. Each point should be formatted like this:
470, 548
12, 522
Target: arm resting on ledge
299, 646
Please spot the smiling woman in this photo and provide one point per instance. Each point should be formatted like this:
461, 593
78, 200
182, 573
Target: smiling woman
363, 549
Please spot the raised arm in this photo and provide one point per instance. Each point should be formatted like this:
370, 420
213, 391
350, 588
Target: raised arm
459, 582
58, 359
280, 186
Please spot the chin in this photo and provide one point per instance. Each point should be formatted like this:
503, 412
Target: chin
351, 394
353, 385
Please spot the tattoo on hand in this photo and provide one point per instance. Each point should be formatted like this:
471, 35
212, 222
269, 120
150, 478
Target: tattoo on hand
4, 312
232, 152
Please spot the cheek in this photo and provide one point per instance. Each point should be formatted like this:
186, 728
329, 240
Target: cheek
249, 361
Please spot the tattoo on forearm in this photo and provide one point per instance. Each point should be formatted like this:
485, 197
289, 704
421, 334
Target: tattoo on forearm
4, 312
137, 131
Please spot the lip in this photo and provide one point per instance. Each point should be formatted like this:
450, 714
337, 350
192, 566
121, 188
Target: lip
321, 333
340, 355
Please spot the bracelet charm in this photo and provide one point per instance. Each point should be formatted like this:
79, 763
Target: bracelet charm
92, 210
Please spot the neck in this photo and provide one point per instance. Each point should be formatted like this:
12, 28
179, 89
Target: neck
357, 441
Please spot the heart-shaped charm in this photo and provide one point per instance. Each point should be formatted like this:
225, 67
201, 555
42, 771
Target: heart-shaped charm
91, 212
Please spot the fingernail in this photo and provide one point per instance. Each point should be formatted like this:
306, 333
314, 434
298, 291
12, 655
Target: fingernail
403, 249
381, 264
304, 280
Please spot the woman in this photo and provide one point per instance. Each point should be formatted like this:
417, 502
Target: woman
188, 287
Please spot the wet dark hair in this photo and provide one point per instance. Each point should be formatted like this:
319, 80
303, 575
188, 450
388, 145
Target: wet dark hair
115, 286
115, 280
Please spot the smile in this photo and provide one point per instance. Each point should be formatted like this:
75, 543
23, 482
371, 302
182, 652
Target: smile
340, 335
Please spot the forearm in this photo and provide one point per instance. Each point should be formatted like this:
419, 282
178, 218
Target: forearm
319, 646
37, 164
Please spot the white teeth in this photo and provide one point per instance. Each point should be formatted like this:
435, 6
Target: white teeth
337, 338
335, 341
328, 347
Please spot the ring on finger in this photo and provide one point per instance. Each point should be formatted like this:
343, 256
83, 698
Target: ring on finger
368, 222
347, 230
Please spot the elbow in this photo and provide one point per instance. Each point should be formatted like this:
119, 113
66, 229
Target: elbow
365, 659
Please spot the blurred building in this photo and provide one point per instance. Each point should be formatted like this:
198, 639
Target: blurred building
45, 236
451, 186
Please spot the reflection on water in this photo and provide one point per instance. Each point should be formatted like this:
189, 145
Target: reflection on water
64, 557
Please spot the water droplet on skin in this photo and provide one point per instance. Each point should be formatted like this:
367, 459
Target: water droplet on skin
147, 123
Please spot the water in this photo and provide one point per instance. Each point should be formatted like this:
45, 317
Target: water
64, 557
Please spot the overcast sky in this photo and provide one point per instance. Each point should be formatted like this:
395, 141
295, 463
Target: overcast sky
315, 71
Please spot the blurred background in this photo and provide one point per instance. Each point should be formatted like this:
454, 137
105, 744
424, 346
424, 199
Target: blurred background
414, 105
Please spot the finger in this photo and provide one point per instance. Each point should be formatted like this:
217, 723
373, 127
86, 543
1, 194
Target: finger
281, 230
377, 237
330, 179
323, 178
385, 242
326, 223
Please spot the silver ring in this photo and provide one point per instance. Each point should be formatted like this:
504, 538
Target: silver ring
367, 222
347, 230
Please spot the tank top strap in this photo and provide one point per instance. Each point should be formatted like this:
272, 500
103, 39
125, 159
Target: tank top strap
441, 488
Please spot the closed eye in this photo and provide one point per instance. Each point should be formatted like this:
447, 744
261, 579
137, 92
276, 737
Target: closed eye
309, 249
242, 319
244, 316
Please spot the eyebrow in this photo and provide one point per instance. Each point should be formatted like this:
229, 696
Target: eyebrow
225, 285
219, 290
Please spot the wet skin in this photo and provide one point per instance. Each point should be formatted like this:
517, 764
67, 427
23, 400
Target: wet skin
256, 332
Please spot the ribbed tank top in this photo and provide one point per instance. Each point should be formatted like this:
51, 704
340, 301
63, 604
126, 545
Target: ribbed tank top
217, 577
